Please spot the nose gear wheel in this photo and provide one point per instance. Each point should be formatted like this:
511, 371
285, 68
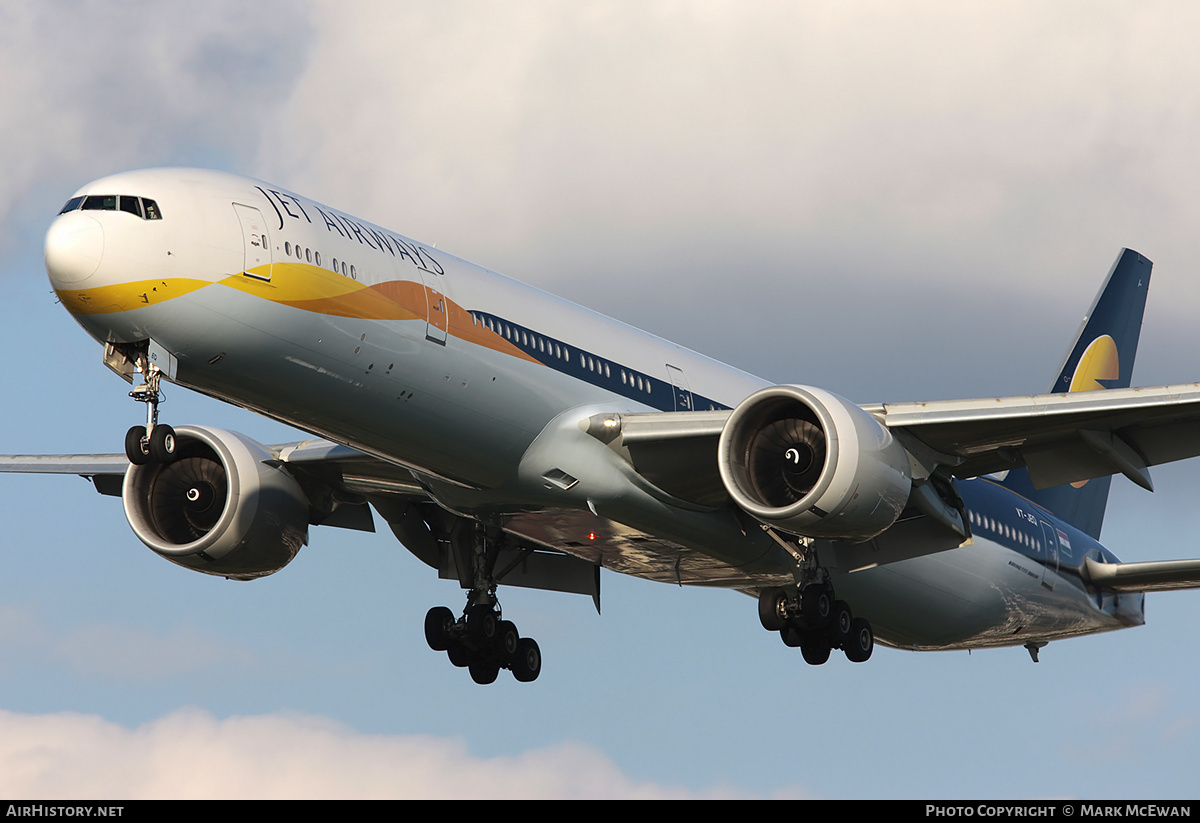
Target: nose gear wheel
154, 442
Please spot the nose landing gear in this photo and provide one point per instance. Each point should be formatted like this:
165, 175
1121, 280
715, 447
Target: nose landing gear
153, 442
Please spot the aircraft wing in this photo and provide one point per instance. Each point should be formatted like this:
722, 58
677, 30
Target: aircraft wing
85, 465
104, 470
339, 467
1060, 438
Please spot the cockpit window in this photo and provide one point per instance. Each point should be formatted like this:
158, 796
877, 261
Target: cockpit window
100, 202
131, 205
140, 206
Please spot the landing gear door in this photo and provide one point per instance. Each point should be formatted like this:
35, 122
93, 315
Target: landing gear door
255, 241
436, 304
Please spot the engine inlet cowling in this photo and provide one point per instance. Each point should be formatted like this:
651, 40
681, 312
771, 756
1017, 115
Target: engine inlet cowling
813, 464
219, 507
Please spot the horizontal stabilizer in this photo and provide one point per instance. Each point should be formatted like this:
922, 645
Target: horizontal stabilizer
1153, 576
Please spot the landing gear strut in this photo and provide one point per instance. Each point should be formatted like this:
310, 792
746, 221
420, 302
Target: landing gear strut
811, 619
481, 640
153, 442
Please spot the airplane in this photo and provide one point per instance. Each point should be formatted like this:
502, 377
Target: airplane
509, 437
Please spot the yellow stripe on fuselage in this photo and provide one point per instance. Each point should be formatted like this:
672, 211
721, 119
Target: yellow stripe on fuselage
325, 292
301, 286
127, 296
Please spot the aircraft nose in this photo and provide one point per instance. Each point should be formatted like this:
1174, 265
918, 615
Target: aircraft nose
74, 247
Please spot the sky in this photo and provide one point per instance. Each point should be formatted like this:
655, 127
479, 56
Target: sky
890, 201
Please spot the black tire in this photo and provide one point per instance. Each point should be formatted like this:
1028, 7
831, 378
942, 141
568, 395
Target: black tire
482, 624
437, 620
815, 652
861, 642
816, 605
527, 664
484, 673
162, 444
507, 640
136, 448
840, 624
772, 608
459, 656
792, 637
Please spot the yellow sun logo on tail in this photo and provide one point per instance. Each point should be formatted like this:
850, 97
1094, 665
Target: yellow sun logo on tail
1099, 362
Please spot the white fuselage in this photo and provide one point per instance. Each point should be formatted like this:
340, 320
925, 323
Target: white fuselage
280, 305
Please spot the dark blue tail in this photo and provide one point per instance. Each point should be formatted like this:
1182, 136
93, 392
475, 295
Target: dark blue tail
1100, 358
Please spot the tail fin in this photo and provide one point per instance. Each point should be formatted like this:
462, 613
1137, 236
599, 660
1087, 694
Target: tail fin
1100, 358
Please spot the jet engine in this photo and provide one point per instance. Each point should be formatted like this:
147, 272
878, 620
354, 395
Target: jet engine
221, 506
813, 464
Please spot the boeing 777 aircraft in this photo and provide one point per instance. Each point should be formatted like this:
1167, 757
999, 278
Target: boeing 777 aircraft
509, 437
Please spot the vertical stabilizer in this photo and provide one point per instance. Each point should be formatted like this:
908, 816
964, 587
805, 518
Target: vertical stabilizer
1100, 358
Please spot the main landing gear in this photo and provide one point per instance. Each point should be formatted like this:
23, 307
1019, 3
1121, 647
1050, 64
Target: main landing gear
812, 620
481, 640
483, 643
153, 442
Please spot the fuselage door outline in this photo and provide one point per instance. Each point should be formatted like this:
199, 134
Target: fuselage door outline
437, 311
255, 241
683, 392
1050, 561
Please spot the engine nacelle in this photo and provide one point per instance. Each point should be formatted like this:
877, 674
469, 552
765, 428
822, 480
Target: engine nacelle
813, 464
218, 507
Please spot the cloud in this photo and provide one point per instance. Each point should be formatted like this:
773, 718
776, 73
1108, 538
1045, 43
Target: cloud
800, 126
90, 88
191, 754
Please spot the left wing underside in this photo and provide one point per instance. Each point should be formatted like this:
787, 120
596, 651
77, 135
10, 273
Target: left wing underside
559, 550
